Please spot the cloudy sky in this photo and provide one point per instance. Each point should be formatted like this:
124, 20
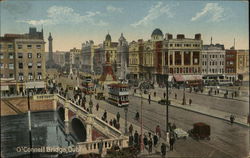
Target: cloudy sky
73, 22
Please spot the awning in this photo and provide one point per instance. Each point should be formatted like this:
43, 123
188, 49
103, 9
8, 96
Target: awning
179, 78
4, 88
182, 78
170, 78
40, 84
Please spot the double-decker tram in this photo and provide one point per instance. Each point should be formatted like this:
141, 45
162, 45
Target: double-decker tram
118, 94
88, 87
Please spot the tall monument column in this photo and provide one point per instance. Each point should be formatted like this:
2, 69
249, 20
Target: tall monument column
50, 47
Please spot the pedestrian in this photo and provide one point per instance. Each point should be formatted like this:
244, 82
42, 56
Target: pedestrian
100, 147
175, 96
114, 122
136, 138
134, 90
154, 94
97, 106
163, 149
158, 130
105, 114
111, 122
155, 138
164, 95
145, 141
150, 145
190, 101
130, 129
131, 140
232, 95
118, 116
172, 140
149, 98
117, 125
232, 119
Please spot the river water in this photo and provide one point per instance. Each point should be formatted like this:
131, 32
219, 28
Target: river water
47, 131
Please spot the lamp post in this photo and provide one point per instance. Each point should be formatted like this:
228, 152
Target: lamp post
29, 123
184, 97
126, 119
143, 86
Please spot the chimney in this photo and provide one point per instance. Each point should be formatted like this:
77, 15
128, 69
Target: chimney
168, 36
197, 36
180, 36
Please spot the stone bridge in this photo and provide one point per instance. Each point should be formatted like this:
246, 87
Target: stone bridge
89, 129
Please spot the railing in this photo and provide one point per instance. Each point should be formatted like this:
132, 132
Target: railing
93, 147
43, 96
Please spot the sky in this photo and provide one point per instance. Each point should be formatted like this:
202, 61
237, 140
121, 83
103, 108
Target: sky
72, 22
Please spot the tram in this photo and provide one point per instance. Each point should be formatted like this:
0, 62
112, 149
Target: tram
118, 94
88, 87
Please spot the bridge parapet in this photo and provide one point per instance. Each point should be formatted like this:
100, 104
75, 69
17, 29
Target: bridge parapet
92, 147
44, 96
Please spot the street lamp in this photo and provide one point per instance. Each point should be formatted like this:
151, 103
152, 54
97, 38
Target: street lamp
143, 86
126, 119
29, 123
184, 97
90, 104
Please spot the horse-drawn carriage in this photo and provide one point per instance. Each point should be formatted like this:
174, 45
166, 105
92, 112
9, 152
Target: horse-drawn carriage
200, 131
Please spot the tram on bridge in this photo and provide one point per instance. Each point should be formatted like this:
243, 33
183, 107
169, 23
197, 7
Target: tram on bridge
118, 94
88, 87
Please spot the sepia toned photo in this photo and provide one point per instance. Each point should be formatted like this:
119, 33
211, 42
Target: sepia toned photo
124, 79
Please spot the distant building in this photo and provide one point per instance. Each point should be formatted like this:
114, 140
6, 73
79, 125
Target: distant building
153, 59
59, 58
213, 59
242, 65
230, 67
75, 57
22, 61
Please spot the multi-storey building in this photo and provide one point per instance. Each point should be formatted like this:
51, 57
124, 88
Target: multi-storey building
242, 64
75, 57
213, 60
152, 59
22, 61
122, 58
59, 58
230, 64
88, 51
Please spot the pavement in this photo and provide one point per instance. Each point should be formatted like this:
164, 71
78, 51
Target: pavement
241, 120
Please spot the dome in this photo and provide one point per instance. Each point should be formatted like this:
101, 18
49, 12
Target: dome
108, 37
157, 32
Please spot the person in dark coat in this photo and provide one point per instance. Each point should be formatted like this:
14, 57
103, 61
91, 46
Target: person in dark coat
111, 122
136, 138
164, 95
145, 141
163, 149
118, 116
130, 129
150, 145
97, 107
131, 140
171, 142
155, 138
149, 98
175, 96
114, 122
190, 101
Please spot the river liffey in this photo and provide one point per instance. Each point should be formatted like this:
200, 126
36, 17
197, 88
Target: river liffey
47, 132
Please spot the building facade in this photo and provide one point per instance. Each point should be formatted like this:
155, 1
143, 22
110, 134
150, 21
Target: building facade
213, 60
22, 61
153, 59
242, 65
59, 58
230, 64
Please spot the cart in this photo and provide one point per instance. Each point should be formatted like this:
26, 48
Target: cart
180, 133
200, 131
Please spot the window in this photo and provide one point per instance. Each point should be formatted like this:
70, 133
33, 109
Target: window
30, 76
170, 45
38, 46
20, 65
11, 66
1, 65
11, 56
20, 55
11, 75
20, 76
30, 65
39, 65
1, 56
10, 46
39, 75
29, 46
29, 55
39, 55
19, 46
